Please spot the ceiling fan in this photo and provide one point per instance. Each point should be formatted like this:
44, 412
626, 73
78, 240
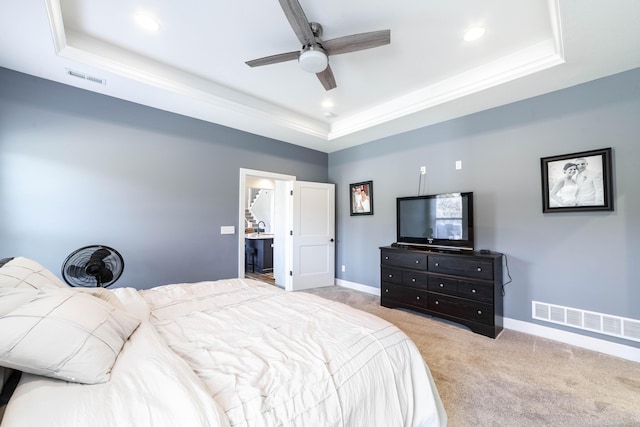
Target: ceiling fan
313, 56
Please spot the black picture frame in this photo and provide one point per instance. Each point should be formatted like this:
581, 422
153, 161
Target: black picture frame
577, 182
357, 205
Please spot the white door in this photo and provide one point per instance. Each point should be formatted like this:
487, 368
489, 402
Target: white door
313, 236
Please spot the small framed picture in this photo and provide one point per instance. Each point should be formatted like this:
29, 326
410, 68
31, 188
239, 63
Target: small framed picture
361, 194
577, 182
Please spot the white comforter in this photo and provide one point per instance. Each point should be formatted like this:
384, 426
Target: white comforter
244, 354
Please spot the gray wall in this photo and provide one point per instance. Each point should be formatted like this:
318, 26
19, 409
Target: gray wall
587, 260
78, 168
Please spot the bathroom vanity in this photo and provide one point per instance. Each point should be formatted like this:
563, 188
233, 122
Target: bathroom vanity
262, 258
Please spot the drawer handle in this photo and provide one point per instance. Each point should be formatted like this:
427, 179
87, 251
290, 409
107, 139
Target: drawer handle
478, 269
479, 311
417, 261
413, 279
391, 275
473, 291
418, 297
386, 290
386, 257
437, 264
442, 285
437, 302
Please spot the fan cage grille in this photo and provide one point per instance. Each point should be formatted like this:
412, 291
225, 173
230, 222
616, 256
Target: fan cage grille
74, 269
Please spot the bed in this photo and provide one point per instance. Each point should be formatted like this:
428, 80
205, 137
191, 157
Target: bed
233, 352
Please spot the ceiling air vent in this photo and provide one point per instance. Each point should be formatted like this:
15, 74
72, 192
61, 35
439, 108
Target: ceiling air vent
87, 77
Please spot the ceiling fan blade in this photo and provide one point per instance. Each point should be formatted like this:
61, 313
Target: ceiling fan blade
274, 59
357, 42
298, 21
327, 79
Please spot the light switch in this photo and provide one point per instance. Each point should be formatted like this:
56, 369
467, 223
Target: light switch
228, 229
458, 164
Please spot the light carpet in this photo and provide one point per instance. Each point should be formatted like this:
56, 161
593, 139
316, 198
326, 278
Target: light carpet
516, 379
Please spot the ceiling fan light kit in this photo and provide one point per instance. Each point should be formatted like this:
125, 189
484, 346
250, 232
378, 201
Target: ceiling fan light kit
314, 56
313, 60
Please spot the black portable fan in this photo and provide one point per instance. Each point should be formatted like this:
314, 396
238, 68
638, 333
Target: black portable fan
93, 266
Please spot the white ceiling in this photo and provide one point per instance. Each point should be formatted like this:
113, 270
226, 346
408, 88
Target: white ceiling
195, 65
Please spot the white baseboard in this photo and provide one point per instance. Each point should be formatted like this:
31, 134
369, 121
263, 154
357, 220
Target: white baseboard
590, 343
358, 287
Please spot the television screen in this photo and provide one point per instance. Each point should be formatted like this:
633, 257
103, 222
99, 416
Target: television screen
438, 220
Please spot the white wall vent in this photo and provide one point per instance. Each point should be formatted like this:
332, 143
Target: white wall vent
87, 77
616, 326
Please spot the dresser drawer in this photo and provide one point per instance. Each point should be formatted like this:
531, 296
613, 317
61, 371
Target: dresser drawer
475, 290
416, 261
464, 309
415, 279
392, 275
405, 295
461, 266
443, 284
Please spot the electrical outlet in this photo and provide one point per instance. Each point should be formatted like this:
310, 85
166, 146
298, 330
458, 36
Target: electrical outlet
343, 268
423, 170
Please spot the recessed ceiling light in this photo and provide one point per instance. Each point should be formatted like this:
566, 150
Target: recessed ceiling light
147, 22
327, 103
474, 33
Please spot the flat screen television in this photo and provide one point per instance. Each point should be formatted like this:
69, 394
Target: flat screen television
436, 221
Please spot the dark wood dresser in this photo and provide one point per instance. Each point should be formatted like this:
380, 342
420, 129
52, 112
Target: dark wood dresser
465, 287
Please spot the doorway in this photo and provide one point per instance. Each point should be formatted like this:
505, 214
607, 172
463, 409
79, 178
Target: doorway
303, 228
278, 225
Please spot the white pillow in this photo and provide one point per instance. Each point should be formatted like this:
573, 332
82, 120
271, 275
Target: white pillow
23, 272
62, 333
12, 298
106, 295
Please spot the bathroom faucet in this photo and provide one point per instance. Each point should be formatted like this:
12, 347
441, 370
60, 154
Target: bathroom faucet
263, 224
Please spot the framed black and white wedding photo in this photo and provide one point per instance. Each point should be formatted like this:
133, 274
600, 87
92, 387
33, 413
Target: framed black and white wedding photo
577, 182
361, 196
